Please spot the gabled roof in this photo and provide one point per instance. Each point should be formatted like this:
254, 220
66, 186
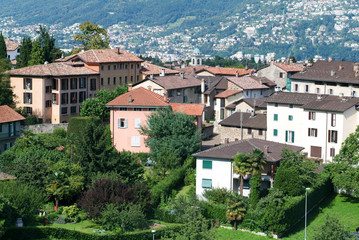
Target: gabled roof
292, 98
53, 70
175, 81
188, 108
227, 71
334, 71
227, 93
257, 103
8, 114
152, 69
248, 82
139, 97
189, 70
102, 56
213, 83
10, 45
257, 121
228, 151
291, 67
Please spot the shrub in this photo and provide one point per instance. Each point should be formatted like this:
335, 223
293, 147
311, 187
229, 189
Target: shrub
78, 124
30, 120
214, 211
71, 211
332, 229
255, 194
287, 181
217, 195
190, 178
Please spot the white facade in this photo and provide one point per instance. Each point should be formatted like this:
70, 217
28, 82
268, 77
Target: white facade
11, 55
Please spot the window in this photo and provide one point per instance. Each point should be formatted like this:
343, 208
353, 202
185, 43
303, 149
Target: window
82, 96
333, 120
27, 83
137, 109
354, 93
275, 132
125, 79
135, 141
318, 90
185, 99
290, 105
276, 105
120, 80
123, 109
158, 91
101, 81
170, 93
64, 98
120, 65
260, 132
28, 110
27, 98
122, 123
289, 136
306, 88
131, 78
332, 152
138, 65
114, 80
48, 103
108, 67
312, 132
137, 123
55, 98
138, 78
131, 66
290, 117
64, 110
178, 92
82, 83
93, 84
249, 131
73, 97
64, 84
108, 81
73, 109
114, 67
315, 151
125, 66
206, 183
275, 117
73, 83
331, 92
311, 115
152, 109
11, 129
48, 89
296, 87
281, 75
332, 136
1, 127
207, 164
222, 114
102, 68
55, 84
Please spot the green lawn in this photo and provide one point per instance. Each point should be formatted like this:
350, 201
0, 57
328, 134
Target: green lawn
228, 234
345, 208
83, 226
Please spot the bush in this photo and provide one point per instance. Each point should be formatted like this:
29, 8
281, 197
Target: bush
217, 195
287, 181
255, 194
30, 120
214, 211
78, 124
332, 229
71, 211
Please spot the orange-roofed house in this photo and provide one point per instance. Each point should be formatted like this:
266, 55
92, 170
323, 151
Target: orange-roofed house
131, 110
149, 70
9, 127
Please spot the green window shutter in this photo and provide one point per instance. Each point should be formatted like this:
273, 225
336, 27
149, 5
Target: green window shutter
206, 183
290, 117
292, 137
275, 132
286, 136
275, 117
207, 164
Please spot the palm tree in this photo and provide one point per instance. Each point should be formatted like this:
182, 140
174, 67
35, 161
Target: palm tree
242, 165
236, 211
257, 157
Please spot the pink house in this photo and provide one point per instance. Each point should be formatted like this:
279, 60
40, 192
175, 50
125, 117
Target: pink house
130, 111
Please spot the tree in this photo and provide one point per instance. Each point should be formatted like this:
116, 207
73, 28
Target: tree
332, 229
37, 54
3, 52
25, 53
236, 212
257, 159
287, 181
47, 43
243, 166
255, 194
92, 36
347, 178
6, 93
176, 130
349, 151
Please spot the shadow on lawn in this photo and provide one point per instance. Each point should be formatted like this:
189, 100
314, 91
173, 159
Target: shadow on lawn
350, 199
327, 203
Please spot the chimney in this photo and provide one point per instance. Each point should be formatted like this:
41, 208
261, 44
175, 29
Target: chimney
330, 59
129, 87
319, 97
356, 74
356, 67
151, 76
149, 87
182, 75
247, 67
341, 67
163, 73
46, 62
332, 73
130, 99
203, 86
62, 56
266, 149
290, 60
118, 50
165, 98
237, 74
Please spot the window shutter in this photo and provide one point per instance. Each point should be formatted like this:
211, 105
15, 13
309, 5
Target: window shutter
206, 183
308, 132
332, 120
292, 137
137, 122
133, 141
126, 123
309, 116
328, 135
316, 132
57, 99
286, 136
335, 136
118, 122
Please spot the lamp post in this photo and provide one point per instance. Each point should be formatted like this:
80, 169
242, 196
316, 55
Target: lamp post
305, 216
153, 232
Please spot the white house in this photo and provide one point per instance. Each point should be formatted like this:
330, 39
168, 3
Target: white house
12, 49
319, 123
214, 167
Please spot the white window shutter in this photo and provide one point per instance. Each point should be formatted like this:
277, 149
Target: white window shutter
126, 123
133, 141
137, 122
118, 122
138, 141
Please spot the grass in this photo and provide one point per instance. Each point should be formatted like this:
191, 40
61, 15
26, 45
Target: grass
229, 234
346, 209
83, 226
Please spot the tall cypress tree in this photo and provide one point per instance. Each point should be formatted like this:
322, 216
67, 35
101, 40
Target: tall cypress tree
3, 52
37, 54
47, 43
25, 53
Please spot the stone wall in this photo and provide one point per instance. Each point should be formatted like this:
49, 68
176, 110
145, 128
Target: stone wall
234, 133
44, 128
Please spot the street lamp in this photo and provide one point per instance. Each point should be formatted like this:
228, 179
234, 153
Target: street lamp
306, 206
153, 232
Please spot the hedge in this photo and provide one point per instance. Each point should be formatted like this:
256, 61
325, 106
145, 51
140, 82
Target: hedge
28, 233
215, 211
78, 124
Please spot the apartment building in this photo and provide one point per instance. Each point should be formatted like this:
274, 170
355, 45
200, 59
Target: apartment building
54, 92
115, 66
339, 78
319, 123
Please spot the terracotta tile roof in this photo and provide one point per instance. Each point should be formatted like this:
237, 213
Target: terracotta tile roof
10, 45
189, 70
292, 67
53, 69
214, 83
258, 121
228, 93
228, 151
5, 176
176, 81
188, 108
316, 102
334, 71
152, 69
139, 97
248, 82
8, 114
258, 103
227, 71
103, 56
